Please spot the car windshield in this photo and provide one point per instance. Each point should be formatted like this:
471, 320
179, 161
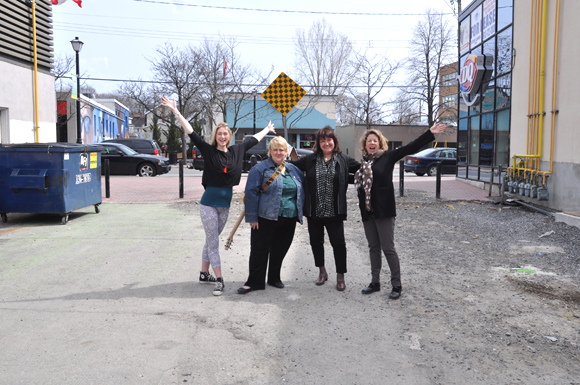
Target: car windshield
125, 149
426, 152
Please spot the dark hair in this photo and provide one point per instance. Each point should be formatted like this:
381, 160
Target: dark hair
323, 133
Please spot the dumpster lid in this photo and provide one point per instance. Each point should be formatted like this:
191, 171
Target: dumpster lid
52, 147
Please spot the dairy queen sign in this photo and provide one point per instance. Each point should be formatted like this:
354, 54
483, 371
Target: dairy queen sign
474, 76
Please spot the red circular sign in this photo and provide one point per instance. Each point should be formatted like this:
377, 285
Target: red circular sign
468, 74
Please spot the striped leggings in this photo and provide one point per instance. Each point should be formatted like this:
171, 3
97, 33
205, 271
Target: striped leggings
214, 220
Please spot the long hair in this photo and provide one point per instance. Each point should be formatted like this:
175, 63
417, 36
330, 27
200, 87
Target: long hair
213, 141
323, 133
383, 142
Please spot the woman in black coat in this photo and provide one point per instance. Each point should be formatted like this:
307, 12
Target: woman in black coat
374, 181
327, 171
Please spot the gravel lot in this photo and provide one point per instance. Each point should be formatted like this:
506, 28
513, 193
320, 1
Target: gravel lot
481, 319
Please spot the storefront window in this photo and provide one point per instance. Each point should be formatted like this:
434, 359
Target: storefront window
503, 95
489, 50
487, 103
504, 52
504, 13
503, 140
462, 141
474, 140
486, 146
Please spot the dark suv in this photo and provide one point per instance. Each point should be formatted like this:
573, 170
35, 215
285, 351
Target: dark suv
142, 146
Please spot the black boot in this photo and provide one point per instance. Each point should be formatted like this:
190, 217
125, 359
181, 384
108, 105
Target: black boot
372, 288
396, 293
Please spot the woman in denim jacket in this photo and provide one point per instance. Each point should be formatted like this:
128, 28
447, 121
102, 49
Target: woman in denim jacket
272, 215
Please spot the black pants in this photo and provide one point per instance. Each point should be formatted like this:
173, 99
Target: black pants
270, 241
335, 229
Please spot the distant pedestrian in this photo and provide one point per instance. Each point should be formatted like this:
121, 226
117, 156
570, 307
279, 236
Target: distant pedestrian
222, 170
374, 181
274, 198
327, 173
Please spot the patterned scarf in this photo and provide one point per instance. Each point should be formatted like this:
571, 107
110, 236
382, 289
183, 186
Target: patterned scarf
364, 176
325, 186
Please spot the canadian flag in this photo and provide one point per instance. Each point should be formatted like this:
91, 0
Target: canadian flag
59, 2
225, 67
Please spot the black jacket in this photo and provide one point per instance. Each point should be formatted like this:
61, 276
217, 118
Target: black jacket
382, 191
344, 165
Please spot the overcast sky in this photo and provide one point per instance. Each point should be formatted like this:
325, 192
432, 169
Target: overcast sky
120, 35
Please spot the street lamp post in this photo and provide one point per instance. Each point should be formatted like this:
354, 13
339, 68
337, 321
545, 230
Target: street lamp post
77, 46
255, 92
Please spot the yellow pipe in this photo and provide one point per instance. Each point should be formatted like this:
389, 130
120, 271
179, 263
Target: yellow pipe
555, 82
36, 127
541, 100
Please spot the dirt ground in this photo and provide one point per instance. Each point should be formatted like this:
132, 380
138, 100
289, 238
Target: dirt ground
494, 291
490, 294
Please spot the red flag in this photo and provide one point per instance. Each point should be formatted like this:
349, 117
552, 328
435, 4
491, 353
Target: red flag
78, 2
225, 67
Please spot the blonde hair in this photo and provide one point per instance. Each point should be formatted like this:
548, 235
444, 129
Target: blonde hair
277, 142
383, 142
213, 140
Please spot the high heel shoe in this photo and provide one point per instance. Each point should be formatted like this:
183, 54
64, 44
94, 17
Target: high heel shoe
340, 285
322, 277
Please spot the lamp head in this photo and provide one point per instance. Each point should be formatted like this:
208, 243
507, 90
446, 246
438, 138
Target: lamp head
77, 44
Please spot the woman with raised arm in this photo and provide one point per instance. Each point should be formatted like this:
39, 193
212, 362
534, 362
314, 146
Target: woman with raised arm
221, 171
374, 181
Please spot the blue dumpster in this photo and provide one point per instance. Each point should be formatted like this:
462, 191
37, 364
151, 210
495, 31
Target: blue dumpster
52, 178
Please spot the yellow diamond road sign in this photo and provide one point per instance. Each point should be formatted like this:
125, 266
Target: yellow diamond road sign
283, 94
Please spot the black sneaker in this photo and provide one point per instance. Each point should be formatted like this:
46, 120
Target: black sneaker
219, 287
396, 293
206, 278
373, 286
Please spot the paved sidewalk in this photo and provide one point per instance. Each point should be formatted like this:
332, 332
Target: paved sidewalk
133, 189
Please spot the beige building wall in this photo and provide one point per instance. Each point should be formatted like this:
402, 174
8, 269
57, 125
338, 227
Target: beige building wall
17, 112
564, 182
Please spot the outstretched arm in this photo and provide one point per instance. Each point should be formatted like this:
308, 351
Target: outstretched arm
269, 128
173, 107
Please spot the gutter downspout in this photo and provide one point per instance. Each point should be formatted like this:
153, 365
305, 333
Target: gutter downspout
36, 127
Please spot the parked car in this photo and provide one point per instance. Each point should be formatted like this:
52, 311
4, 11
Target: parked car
125, 161
425, 162
142, 146
197, 159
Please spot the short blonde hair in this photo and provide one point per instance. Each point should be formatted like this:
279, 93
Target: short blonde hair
213, 140
383, 142
277, 142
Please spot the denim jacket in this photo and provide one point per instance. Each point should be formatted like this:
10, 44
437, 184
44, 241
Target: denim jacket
267, 204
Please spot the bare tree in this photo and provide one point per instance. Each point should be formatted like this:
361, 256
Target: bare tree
431, 48
369, 82
228, 83
63, 65
323, 59
175, 73
405, 110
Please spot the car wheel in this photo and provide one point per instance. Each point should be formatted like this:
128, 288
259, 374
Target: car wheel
432, 171
146, 169
419, 173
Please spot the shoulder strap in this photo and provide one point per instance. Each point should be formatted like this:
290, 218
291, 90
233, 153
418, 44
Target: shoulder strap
273, 177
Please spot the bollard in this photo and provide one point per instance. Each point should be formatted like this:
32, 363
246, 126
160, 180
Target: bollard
180, 178
438, 181
401, 178
107, 175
